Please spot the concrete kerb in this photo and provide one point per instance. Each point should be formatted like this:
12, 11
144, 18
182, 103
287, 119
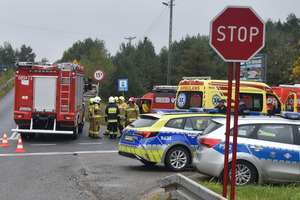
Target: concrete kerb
195, 176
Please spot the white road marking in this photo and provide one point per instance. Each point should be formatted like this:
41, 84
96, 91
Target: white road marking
15, 135
57, 153
87, 143
37, 145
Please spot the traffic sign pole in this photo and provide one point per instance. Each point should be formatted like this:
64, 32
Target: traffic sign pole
225, 173
235, 128
237, 33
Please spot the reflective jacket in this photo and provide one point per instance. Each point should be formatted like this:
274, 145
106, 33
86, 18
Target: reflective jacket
91, 110
132, 113
122, 108
112, 113
97, 111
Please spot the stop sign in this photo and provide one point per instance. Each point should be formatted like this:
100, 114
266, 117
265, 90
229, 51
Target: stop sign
237, 34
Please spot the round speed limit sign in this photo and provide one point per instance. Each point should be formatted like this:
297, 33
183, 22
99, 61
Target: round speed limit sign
98, 75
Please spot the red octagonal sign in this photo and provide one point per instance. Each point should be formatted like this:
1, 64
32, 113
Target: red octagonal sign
237, 34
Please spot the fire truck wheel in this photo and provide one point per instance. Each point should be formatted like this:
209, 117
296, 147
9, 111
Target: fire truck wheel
75, 132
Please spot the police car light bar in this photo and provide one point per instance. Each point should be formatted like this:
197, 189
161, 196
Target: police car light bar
290, 115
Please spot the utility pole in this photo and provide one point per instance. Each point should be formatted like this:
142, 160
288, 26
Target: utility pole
130, 38
170, 42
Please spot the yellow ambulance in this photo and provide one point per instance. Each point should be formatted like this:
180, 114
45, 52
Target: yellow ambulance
202, 92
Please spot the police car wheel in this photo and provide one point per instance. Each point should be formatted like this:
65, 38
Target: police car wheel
177, 159
148, 163
245, 173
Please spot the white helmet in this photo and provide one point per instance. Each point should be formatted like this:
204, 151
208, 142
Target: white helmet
97, 99
111, 100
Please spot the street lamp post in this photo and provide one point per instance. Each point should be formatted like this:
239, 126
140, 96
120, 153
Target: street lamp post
170, 42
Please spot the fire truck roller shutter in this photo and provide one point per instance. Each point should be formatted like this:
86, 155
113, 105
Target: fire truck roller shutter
44, 93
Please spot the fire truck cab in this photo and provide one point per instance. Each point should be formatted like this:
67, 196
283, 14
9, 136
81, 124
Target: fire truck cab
49, 99
161, 98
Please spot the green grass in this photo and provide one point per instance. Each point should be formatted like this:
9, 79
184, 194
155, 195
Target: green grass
257, 191
6, 89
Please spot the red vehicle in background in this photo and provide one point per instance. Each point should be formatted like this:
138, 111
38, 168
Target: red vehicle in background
161, 98
49, 99
290, 95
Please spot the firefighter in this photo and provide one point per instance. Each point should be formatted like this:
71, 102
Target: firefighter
97, 117
122, 107
91, 114
146, 107
112, 116
132, 111
117, 100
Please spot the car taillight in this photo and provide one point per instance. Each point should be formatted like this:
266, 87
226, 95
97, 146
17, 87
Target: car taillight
209, 142
146, 135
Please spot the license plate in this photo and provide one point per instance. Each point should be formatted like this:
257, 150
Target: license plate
128, 138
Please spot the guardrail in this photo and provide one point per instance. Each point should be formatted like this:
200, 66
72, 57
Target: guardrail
182, 188
4, 86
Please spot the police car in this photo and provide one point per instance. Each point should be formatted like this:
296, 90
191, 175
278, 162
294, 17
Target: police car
169, 138
267, 149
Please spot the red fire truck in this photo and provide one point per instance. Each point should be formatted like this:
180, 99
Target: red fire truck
289, 95
48, 99
161, 98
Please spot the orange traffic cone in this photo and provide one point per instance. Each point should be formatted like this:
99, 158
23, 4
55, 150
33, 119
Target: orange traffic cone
4, 141
20, 146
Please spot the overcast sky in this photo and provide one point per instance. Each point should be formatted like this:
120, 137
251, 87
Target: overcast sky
51, 26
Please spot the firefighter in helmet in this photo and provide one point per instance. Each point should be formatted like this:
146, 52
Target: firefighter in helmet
146, 107
112, 116
122, 107
117, 100
91, 114
132, 111
97, 117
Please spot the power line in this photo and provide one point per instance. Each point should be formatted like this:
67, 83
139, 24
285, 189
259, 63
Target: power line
58, 31
155, 21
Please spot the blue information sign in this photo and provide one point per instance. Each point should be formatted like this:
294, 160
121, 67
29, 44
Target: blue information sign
123, 85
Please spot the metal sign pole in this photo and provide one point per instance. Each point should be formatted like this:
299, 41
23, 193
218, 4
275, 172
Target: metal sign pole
229, 99
235, 129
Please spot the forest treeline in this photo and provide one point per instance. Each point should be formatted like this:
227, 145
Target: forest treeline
191, 56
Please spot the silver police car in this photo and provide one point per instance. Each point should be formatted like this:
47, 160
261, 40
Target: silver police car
267, 149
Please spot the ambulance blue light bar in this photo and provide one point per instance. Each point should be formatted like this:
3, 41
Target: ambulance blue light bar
290, 115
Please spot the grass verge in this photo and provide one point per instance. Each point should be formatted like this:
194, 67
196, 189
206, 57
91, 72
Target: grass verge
289, 191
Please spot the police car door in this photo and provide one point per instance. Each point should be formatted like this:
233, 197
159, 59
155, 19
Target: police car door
193, 127
273, 149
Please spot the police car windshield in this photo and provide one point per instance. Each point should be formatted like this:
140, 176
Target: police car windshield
144, 121
213, 126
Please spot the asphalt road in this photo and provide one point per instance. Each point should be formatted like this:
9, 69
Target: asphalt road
57, 167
